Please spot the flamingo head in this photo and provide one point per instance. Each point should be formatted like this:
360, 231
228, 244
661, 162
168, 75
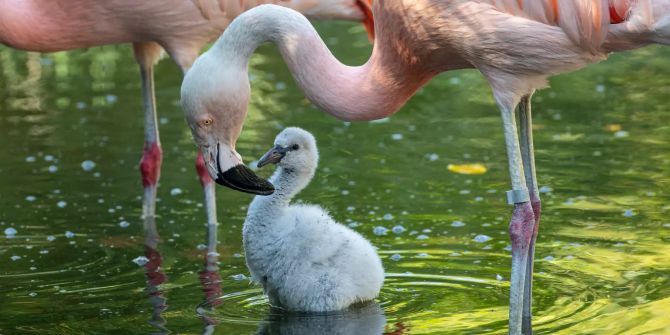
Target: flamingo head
214, 99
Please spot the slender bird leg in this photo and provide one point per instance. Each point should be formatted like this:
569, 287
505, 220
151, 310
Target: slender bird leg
527, 152
522, 221
146, 55
210, 203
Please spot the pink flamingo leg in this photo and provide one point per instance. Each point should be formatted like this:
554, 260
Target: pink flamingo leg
210, 203
523, 219
146, 55
528, 155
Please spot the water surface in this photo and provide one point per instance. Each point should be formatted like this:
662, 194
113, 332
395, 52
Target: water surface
603, 161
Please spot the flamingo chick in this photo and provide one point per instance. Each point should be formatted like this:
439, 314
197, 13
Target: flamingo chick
304, 259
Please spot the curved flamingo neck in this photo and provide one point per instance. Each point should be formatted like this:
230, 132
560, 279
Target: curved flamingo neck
373, 90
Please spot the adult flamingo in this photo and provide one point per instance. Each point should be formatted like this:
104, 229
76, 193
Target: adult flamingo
515, 44
180, 27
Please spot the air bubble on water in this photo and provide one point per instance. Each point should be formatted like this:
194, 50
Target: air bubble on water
499, 277
549, 258
482, 238
600, 88
379, 231
239, 277
51, 238
666, 225
457, 224
87, 165
432, 157
111, 98
32, 294
426, 230
124, 224
10, 232
508, 248
80, 105
464, 192
395, 257
351, 208
345, 192
69, 234
237, 255
479, 199
397, 136
422, 255
48, 158
454, 254
61, 204
15, 258
52, 168
32, 268
628, 213
422, 237
621, 134
388, 217
569, 257
44, 251
398, 229
175, 191
354, 224
30, 159
545, 189
141, 260
201, 246
31, 198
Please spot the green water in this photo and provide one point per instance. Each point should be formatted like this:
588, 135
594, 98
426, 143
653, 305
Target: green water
603, 160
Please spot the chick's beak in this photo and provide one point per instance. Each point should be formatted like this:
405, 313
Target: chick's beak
273, 156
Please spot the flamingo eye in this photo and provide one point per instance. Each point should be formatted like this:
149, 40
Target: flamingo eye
207, 122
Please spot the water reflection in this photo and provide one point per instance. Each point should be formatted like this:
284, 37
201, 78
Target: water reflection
367, 319
210, 280
155, 276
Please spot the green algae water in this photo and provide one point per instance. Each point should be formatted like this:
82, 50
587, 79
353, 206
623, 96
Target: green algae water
426, 186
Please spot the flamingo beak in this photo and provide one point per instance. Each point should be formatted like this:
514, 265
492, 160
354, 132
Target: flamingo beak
239, 177
273, 156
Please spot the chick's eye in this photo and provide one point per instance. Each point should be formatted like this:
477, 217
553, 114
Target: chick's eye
295, 147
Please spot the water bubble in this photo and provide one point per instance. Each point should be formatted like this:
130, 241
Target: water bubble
32, 294
52, 168
628, 213
80, 105
422, 255
111, 98
508, 248
201, 246
345, 192
600, 88
61, 204
15, 258
31, 198
141, 260
549, 258
398, 229
569, 257
30, 159
388, 217
379, 231
124, 224
51, 238
397, 136
422, 237
10, 232
545, 189
499, 277
621, 134
175, 191
351, 208
87, 165
457, 224
69, 234
48, 158
44, 251
432, 157
454, 254
239, 277
666, 225
395, 257
482, 238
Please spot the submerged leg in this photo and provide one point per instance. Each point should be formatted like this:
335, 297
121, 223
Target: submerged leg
210, 204
522, 221
527, 152
146, 55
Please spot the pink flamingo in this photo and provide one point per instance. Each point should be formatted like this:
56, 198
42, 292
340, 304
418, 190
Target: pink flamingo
180, 27
515, 44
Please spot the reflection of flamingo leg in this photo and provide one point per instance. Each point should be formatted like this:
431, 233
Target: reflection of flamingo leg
155, 275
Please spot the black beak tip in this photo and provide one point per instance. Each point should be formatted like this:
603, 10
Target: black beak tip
241, 178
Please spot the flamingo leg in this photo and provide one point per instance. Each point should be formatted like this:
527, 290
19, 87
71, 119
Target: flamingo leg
528, 155
210, 204
146, 55
521, 224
